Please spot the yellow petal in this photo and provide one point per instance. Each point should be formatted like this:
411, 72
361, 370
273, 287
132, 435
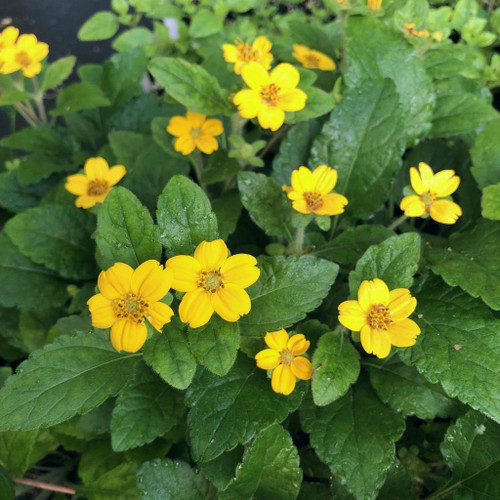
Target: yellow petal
403, 333
248, 102
285, 76
40, 51
212, 127
186, 272
445, 183
231, 302
426, 175
401, 303
262, 44
8, 37
277, 340
115, 174
366, 337
178, 126
325, 63
185, 144
325, 179
128, 336
445, 211
230, 53
206, 144
416, 181
351, 315
85, 201
292, 100
267, 359
211, 254
151, 282
381, 344
101, 310
283, 380
27, 42
298, 344
412, 206
77, 184
32, 70
115, 282
196, 308
159, 314
372, 292
302, 368
303, 180
196, 120
96, 168
270, 117
254, 75
333, 204
301, 206
241, 270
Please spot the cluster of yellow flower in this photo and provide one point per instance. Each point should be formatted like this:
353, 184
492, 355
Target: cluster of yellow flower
423, 33
23, 53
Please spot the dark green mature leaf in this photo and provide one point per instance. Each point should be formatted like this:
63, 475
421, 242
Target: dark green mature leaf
190, 84
318, 103
6, 486
125, 231
173, 479
71, 376
471, 448
458, 346
220, 470
100, 26
57, 237
57, 72
79, 96
215, 345
230, 410
227, 208
355, 436
25, 284
394, 261
219, 167
37, 166
170, 356
469, 262
146, 409
490, 202
336, 367
408, 392
270, 468
118, 482
374, 51
486, 155
288, 289
185, 216
42, 139
127, 146
363, 140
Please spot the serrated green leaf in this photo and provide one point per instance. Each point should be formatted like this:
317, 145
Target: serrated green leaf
100, 26
486, 155
79, 96
57, 72
490, 202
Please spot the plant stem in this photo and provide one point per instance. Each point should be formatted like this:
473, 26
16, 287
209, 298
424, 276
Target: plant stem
273, 140
298, 244
334, 227
44, 486
197, 162
39, 100
343, 25
397, 222
26, 114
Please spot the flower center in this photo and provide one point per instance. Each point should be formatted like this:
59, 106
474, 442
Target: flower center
314, 201
269, 94
379, 317
131, 307
428, 198
196, 132
96, 187
23, 58
211, 281
246, 53
286, 357
312, 60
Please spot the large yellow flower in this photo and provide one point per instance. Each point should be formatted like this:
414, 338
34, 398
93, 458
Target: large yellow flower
312, 59
195, 131
381, 316
242, 53
127, 297
93, 186
429, 188
310, 191
269, 95
24, 55
284, 358
213, 282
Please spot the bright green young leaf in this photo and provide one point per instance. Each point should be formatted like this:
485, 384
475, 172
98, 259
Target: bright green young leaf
486, 155
125, 231
490, 202
73, 375
270, 468
14, 96
119, 481
368, 156
57, 237
57, 72
185, 217
79, 96
204, 23
135, 37
288, 288
227, 208
318, 104
173, 479
100, 26
336, 367
355, 436
230, 410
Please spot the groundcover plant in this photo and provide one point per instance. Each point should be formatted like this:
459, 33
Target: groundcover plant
255, 254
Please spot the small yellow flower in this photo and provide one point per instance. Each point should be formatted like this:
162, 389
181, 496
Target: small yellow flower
284, 358
242, 53
374, 4
127, 297
93, 186
429, 188
269, 95
410, 30
312, 59
311, 191
195, 131
381, 316
24, 55
213, 282
437, 35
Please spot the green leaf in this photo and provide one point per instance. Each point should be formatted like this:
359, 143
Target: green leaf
369, 155
185, 216
173, 479
490, 202
133, 38
467, 261
25, 284
79, 96
355, 436
125, 231
71, 376
38, 166
270, 468
170, 356
471, 448
394, 261
204, 23
227, 209
118, 482
42, 139
220, 470
486, 155
57, 237
336, 367
146, 409
219, 167
408, 392
230, 410
318, 103
57, 72
10, 97
288, 289
101, 26
6, 486
190, 84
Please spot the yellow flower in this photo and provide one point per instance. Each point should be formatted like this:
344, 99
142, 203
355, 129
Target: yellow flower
374, 4
429, 188
310, 191
93, 186
195, 131
213, 282
284, 358
8, 37
24, 55
437, 35
127, 297
269, 95
381, 316
410, 30
312, 59
242, 53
